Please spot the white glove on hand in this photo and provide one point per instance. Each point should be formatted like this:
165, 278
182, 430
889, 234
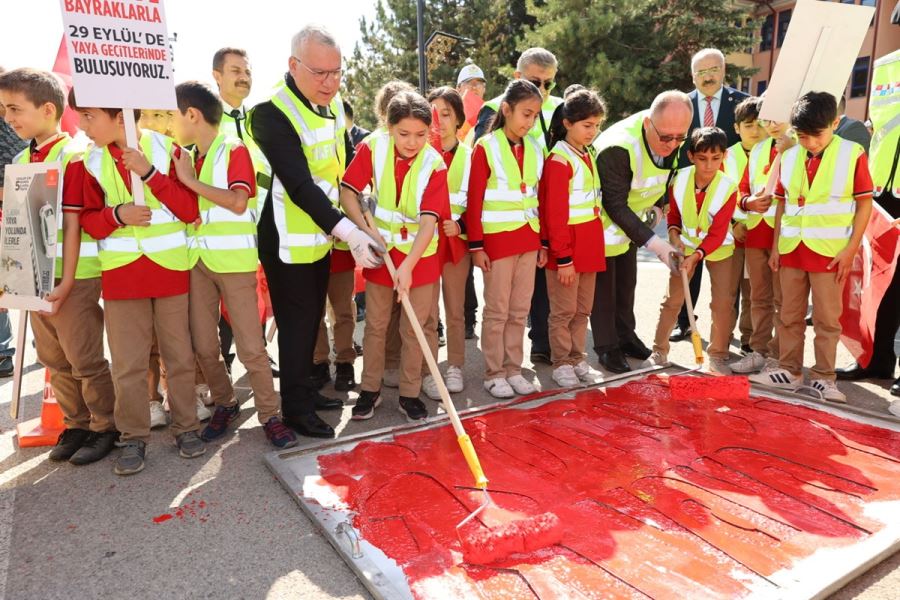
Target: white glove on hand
366, 251
663, 251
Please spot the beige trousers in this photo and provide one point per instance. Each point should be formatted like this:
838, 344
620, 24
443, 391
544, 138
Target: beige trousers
508, 288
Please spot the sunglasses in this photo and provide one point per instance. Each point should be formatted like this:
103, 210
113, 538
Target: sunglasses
665, 139
547, 84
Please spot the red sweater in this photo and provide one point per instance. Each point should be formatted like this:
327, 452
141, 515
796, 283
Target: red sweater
762, 235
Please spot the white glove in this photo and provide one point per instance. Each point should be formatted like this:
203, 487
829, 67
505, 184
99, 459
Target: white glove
366, 251
664, 251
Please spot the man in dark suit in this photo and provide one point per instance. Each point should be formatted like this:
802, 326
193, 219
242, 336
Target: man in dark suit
852, 129
714, 104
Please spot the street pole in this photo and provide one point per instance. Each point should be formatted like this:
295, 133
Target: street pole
420, 41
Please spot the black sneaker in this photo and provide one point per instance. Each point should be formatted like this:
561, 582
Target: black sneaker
68, 444
320, 374
219, 422
96, 447
365, 405
540, 356
6, 366
131, 459
442, 339
344, 378
470, 332
189, 444
413, 408
274, 366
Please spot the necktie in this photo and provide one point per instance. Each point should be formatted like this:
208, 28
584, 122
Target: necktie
323, 111
708, 120
237, 116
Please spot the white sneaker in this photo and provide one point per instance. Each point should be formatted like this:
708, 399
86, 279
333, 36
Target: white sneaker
499, 388
751, 363
582, 370
201, 390
772, 364
391, 378
894, 407
430, 387
829, 390
656, 359
157, 415
565, 377
777, 378
719, 366
522, 386
454, 379
202, 412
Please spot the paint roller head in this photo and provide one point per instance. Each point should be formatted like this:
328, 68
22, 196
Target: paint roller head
691, 387
490, 544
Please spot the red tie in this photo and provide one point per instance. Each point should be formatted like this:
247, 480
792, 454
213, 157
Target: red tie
708, 120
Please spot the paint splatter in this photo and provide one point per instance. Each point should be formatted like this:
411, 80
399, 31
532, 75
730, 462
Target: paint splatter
195, 509
658, 498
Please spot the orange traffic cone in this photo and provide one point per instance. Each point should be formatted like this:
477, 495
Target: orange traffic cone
45, 430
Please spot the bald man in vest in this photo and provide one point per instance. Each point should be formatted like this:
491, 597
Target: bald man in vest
302, 132
636, 159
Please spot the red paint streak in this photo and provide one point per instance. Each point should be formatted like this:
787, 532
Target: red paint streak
731, 387
657, 496
191, 510
162, 518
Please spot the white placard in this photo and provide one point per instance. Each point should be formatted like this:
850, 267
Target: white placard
119, 53
32, 200
822, 43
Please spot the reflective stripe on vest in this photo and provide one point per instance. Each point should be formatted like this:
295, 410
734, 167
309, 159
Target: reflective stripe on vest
584, 186
820, 215
300, 240
736, 159
695, 223
757, 175
510, 200
648, 181
88, 263
225, 241
228, 126
458, 181
398, 220
884, 110
164, 241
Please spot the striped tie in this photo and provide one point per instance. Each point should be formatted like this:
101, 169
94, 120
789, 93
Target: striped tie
708, 120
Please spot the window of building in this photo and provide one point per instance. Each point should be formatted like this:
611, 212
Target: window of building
867, 2
859, 80
745, 85
768, 29
784, 19
760, 87
848, 1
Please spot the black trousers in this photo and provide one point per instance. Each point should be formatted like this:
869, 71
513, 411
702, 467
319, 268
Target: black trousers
612, 316
694, 287
539, 315
471, 305
298, 300
887, 320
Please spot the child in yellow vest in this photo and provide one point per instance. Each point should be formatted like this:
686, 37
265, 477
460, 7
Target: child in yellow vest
701, 204
223, 256
824, 196
69, 340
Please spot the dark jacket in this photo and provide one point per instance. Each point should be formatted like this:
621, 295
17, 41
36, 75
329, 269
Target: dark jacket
724, 120
855, 131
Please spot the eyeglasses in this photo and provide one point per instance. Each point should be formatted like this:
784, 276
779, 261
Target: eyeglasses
709, 71
666, 139
764, 122
547, 84
318, 74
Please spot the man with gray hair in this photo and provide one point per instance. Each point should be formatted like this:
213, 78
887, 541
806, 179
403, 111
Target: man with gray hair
538, 66
636, 159
302, 132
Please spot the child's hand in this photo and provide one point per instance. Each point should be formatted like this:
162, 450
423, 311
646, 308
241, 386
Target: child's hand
451, 228
134, 160
739, 231
690, 263
784, 142
675, 240
132, 214
184, 167
566, 274
403, 280
775, 260
57, 296
542, 258
480, 259
843, 261
759, 202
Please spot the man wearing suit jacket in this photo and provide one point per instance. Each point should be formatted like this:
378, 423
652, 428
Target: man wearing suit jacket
714, 105
852, 129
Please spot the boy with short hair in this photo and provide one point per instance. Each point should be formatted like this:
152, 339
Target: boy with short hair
223, 260
69, 339
145, 275
701, 203
824, 196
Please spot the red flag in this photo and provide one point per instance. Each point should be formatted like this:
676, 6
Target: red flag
871, 274
472, 104
434, 134
62, 68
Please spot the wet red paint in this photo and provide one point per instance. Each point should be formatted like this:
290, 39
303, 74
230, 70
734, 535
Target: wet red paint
693, 498
189, 510
162, 518
731, 387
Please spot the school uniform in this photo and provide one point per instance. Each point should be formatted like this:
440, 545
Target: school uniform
734, 166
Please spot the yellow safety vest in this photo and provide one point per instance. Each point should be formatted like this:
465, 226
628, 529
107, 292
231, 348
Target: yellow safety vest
757, 175
225, 241
164, 241
88, 262
823, 219
458, 181
695, 224
398, 222
228, 126
648, 181
884, 109
736, 159
584, 186
300, 240
511, 200
536, 132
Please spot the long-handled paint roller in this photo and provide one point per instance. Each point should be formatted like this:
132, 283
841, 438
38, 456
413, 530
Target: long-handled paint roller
695, 335
488, 544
